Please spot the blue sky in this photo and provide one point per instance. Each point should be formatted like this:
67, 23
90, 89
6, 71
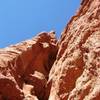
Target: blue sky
23, 19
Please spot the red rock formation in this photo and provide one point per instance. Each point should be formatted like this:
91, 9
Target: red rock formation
24, 67
75, 74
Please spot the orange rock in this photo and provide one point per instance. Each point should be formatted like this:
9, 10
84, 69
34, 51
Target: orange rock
75, 74
28, 63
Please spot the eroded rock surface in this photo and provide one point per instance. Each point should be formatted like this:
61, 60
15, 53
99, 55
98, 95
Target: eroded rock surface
24, 67
75, 74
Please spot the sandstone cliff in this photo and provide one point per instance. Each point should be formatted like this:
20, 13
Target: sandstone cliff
75, 74
44, 69
24, 68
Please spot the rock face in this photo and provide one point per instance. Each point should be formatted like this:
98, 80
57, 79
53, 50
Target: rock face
75, 74
24, 68
44, 69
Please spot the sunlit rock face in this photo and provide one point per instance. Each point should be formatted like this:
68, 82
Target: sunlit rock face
44, 69
24, 67
75, 74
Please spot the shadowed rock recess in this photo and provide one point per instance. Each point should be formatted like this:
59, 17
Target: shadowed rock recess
24, 68
46, 69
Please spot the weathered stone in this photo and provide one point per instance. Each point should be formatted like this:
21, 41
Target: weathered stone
28, 63
75, 74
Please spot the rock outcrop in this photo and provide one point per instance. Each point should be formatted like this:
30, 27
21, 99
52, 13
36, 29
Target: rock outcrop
24, 67
44, 69
75, 74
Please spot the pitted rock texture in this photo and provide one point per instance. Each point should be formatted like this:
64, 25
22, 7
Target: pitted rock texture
77, 80
75, 74
24, 68
44, 69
